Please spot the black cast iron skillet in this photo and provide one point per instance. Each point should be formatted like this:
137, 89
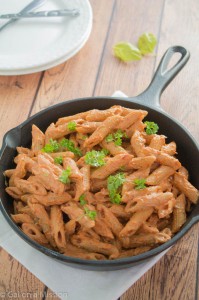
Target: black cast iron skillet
188, 152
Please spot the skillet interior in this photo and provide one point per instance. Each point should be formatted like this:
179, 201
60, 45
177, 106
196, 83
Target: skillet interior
21, 136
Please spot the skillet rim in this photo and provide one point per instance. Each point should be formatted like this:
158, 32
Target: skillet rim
101, 263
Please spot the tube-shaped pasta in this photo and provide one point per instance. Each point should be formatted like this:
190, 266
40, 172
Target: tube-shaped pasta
42, 216
38, 138
137, 126
169, 149
138, 143
53, 199
112, 148
76, 213
161, 173
93, 245
157, 142
142, 162
179, 213
34, 233
88, 127
133, 252
14, 192
168, 160
102, 131
155, 200
186, 187
131, 118
110, 219
48, 179
57, 227
26, 186
22, 218
96, 115
129, 182
102, 229
147, 239
57, 132
74, 251
112, 165
135, 222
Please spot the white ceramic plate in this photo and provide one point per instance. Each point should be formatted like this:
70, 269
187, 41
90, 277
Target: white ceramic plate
33, 45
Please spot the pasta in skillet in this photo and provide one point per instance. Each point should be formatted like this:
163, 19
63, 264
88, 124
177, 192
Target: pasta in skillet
101, 184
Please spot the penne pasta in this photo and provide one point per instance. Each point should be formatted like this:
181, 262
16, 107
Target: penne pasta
101, 184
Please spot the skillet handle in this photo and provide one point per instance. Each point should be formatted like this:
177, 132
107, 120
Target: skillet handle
164, 76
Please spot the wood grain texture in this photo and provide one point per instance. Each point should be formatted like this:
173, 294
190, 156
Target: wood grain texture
76, 77
180, 25
16, 282
16, 96
129, 22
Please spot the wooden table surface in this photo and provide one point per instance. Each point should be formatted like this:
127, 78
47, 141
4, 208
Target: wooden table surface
95, 72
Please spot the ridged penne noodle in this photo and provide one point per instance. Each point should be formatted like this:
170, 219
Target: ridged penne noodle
93, 245
48, 179
32, 231
70, 227
155, 200
102, 229
142, 162
129, 183
138, 143
97, 115
186, 187
148, 239
101, 184
184, 172
74, 251
102, 131
76, 213
14, 192
57, 132
161, 173
168, 160
22, 218
42, 216
133, 252
53, 199
169, 148
112, 165
26, 186
57, 227
110, 219
157, 142
137, 126
131, 118
88, 127
135, 222
38, 138
112, 148
179, 213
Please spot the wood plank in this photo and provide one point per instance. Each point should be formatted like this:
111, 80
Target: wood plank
76, 77
180, 27
131, 19
16, 282
169, 277
17, 93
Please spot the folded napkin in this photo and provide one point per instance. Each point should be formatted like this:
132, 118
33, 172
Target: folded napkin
67, 282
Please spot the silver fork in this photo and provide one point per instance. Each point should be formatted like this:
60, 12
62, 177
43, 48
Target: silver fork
31, 6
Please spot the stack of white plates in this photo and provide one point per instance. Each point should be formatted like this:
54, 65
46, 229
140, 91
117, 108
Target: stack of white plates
32, 45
